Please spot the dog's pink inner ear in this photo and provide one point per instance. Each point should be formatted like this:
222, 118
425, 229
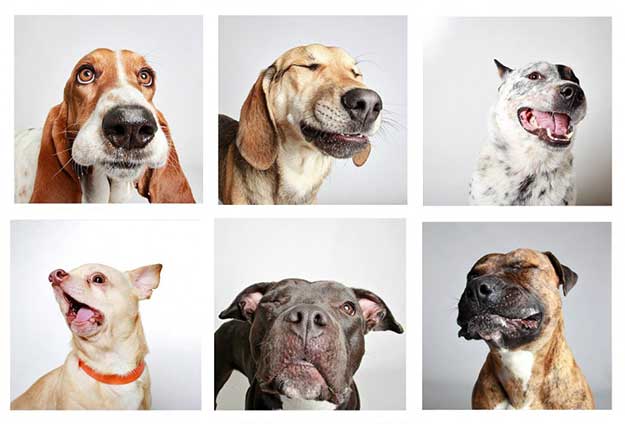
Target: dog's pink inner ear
372, 311
145, 279
249, 303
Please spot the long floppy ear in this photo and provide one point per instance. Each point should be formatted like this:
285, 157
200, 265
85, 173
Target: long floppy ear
145, 279
244, 305
167, 184
361, 157
378, 316
256, 138
502, 69
568, 277
56, 180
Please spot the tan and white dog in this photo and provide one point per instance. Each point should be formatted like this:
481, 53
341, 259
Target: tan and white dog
104, 140
105, 368
306, 109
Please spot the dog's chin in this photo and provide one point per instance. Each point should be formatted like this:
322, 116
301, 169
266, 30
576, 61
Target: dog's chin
554, 130
302, 380
338, 145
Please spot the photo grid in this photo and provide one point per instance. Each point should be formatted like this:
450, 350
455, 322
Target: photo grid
409, 211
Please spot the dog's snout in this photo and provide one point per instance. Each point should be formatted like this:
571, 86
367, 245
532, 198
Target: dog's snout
129, 127
363, 105
572, 94
57, 276
307, 321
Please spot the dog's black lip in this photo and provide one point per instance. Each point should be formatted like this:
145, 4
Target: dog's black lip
312, 133
464, 330
550, 143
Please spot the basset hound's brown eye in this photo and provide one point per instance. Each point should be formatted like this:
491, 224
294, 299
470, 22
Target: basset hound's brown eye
348, 308
97, 278
145, 77
535, 76
85, 75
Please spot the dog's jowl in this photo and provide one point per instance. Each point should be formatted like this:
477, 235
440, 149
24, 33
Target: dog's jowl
528, 159
512, 302
299, 343
106, 367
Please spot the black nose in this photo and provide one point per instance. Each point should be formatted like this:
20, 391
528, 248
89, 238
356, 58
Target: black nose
481, 290
129, 127
307, 321
572, 94
363, 105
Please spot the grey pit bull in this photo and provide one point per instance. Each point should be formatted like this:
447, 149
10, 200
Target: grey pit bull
298, 342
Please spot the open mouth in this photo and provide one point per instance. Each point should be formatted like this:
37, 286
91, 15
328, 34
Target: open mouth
83, 319
490, 326
314, 134
553, 128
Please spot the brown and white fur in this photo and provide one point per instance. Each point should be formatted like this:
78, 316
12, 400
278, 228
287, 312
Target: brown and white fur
73, 159
296, 119
110, 342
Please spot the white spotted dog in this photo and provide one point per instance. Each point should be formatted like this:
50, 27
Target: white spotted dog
528, 159
105, 142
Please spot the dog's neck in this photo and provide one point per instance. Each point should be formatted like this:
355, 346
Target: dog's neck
114, 350
301, 170
522, 372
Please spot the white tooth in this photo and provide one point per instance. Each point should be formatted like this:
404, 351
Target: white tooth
533, 121
549, 133
570, 134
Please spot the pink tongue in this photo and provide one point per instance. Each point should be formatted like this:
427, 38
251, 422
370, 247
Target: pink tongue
558, 123
84, 314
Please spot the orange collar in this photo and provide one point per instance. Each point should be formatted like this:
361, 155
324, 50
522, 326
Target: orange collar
113, 378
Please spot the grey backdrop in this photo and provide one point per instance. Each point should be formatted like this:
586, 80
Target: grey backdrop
48, 47
249, 44
450, 364
362, 253
460, 85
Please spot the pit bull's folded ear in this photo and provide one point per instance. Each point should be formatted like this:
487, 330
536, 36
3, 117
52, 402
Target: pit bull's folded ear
567, 276
361, 157
145, 280
256, 138
502, 69
378, 316
246, 302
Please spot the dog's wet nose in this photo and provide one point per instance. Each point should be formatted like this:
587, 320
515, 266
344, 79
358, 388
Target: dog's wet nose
57, 276
572, 94
363, 105
481, 290
129, 127
307, 321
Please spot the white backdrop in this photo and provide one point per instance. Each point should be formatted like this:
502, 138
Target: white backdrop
368, 254
48, 47
172, 317
249, 44
460, 85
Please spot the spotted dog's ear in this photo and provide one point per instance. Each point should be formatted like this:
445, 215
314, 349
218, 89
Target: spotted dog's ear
244, 305
378, 316
256, 138
502, 69
56, 180
361, 157
167, 184
568, 277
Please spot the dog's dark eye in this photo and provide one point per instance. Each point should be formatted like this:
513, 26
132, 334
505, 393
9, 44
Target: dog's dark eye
313, 66
97, 278
535, 76
145, 77
348, 308
85, 75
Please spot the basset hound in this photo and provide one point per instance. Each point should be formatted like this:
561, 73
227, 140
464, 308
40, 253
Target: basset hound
104, 140
309, 107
